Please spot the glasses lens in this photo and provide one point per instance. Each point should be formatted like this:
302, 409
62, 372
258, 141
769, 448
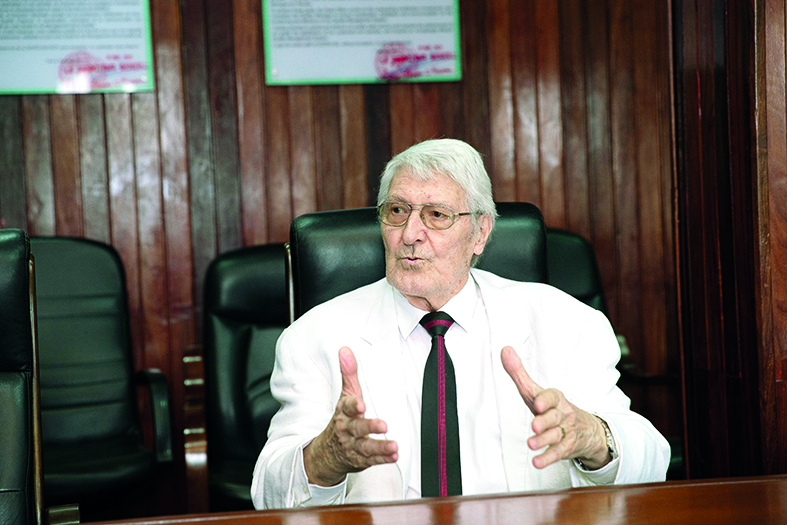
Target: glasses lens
395, 213
437, 217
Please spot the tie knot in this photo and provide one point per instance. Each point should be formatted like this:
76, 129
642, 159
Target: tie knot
436, 323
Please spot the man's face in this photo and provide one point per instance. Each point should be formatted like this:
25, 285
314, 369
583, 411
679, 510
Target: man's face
431, 266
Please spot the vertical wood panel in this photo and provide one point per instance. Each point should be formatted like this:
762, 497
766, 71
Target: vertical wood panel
251, 118
355, 193
38, 165
475, 75
13, 204
449, 97
327, 148
302, 176
600, 150
123, 206
93, 167
152, 258
199, 133
278, 159
573, 35
169, 113
524, 76
426, 107
501, 109
624, 173
550, 121
775, 239
65, 166
378, 135
224, 122
402, 121
648, 167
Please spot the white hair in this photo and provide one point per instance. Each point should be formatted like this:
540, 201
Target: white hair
452, 158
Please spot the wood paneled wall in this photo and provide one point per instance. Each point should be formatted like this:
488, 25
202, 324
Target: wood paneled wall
732, 169
568, 101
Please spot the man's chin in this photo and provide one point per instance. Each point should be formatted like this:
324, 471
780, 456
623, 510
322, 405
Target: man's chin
407, 284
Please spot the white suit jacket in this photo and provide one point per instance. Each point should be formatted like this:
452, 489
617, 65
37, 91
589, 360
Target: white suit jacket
562, 343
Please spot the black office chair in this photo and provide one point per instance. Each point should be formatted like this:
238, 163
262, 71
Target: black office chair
334, 252
246, 310
573, 268
93, 446
20, 435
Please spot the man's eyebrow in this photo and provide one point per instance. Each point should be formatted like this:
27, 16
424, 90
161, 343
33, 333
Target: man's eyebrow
397, 198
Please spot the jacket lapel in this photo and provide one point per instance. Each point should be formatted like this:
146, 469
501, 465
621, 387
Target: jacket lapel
513, 414
381, 373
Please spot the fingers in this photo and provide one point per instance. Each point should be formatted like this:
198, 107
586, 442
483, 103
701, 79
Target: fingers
345, 445
349, 368
528, 389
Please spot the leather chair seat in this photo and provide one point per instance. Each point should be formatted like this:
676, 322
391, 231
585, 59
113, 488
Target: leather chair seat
95, 466
230, 481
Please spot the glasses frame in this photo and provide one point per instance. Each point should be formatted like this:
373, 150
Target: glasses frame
412, 206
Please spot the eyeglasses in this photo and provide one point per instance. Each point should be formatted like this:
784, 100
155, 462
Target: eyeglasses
434, 217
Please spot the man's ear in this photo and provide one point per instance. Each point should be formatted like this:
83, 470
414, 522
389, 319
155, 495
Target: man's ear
484, 229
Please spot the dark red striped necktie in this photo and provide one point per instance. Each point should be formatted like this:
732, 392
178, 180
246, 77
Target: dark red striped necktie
440, 467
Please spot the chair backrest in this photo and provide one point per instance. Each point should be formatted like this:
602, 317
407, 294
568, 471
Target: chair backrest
573, 268
245, 312
334, 252
85, 347
20, 474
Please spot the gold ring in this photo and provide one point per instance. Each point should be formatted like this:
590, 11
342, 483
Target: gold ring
564, 433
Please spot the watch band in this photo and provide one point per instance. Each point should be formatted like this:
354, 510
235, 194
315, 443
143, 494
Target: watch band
611, 448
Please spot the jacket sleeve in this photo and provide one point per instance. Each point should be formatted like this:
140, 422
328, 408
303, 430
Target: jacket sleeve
643, 452
303, 381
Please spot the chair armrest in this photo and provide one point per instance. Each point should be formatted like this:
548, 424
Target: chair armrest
63, 514
159, 399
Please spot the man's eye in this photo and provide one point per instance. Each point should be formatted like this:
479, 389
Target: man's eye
397, 210
437, 214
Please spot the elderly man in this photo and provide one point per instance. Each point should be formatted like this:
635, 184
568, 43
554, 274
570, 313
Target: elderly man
442, 379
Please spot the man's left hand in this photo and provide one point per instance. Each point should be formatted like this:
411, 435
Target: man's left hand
567, 431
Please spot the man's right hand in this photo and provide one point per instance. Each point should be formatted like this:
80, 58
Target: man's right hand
345, 446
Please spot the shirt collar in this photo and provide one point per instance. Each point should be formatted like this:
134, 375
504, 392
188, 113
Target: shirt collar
460, 307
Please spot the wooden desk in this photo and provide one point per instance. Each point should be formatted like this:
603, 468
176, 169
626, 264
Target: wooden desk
716, 502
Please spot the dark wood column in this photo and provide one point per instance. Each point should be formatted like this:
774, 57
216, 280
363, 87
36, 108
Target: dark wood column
727, 140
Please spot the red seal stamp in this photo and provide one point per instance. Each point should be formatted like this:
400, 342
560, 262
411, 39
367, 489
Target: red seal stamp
396, 60
81, 71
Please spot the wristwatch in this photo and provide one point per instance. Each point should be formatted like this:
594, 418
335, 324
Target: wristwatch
613, 451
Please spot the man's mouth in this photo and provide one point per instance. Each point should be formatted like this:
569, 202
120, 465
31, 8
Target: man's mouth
410, 258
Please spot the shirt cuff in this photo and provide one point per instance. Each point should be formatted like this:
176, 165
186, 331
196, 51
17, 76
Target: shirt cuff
310, 495
604, 476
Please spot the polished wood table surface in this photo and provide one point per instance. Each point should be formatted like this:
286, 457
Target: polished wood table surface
717, 502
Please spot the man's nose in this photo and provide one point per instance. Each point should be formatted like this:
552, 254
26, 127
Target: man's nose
414, 229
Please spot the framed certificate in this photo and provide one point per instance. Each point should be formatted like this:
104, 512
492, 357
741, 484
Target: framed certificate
361, 41
75, 46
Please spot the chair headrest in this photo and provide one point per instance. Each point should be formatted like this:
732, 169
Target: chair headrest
249, 285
